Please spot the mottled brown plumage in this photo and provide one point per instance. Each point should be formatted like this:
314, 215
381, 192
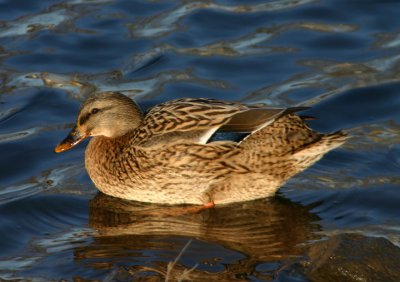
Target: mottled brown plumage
166, 157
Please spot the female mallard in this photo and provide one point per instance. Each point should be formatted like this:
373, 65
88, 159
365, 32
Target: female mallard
166, 155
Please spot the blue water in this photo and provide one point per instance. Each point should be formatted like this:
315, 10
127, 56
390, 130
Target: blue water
341, 58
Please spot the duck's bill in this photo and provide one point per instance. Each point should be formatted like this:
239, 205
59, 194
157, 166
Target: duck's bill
73, 138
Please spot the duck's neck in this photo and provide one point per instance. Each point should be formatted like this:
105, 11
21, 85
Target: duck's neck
101, 152
102, 148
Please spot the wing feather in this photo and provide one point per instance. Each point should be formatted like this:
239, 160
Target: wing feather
196, 120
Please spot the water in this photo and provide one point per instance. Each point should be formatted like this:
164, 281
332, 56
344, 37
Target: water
339, 57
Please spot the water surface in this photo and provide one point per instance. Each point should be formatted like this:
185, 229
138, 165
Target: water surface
341, 58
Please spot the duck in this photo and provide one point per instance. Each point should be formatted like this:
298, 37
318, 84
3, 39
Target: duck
168, 155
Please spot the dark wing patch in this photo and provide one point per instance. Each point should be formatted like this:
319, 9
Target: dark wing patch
255, 118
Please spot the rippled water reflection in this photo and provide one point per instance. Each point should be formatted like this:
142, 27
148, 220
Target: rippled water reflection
339, 57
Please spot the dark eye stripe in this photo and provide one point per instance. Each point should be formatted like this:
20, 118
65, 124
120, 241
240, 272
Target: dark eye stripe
83, 119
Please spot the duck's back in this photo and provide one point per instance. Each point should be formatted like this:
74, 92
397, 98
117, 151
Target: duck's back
197, 119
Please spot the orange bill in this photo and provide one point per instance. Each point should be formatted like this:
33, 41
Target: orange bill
73, 138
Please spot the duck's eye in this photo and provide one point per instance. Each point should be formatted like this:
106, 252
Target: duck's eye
94, 111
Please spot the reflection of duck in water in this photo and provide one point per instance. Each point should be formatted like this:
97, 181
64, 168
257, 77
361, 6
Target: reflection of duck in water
229, 239
166, 155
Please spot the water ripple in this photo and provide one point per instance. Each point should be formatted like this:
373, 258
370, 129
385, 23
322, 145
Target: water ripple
80, 86
247, 45
47, 217
52, 179
33, 23
334, 78
167, 22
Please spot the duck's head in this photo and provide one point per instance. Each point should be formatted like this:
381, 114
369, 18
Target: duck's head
108, 114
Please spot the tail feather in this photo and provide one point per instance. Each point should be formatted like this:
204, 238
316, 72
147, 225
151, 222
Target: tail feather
326, 143
311, 153
290, 144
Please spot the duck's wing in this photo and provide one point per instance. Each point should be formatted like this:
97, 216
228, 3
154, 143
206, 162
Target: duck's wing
196, 120
256, 118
